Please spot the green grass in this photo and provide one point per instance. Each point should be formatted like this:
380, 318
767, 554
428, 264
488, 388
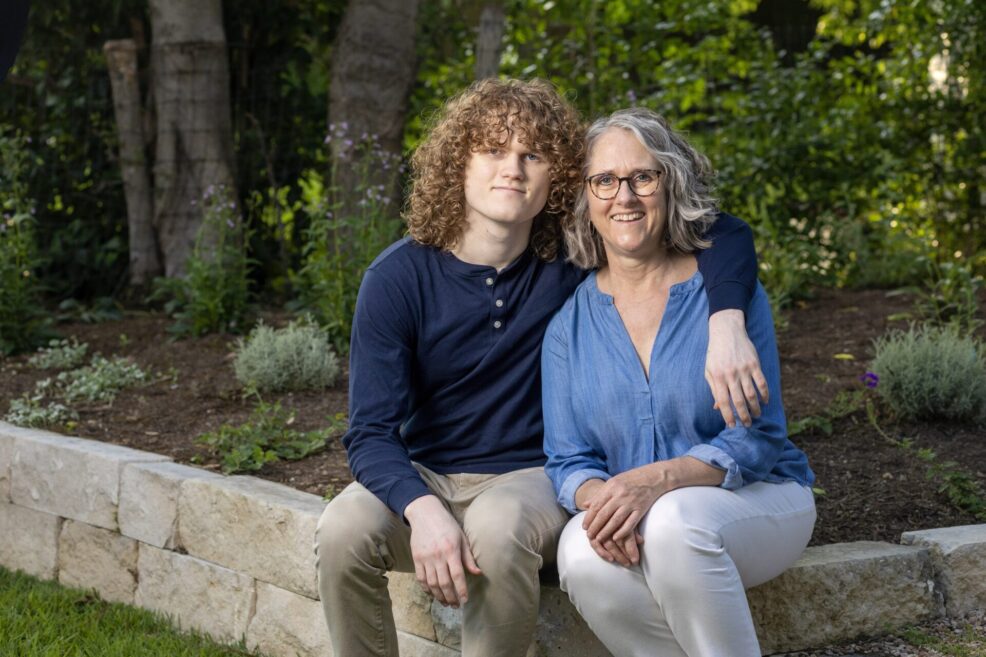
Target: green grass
43, 619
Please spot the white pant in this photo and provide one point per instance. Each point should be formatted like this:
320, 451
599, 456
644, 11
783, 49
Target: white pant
702, 547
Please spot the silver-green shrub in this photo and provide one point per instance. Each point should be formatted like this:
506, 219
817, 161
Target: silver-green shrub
59, 355
101, 379
930, 372
28, 411
296, 357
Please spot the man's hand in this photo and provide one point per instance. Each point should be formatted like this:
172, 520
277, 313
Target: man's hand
440, 551
732, 368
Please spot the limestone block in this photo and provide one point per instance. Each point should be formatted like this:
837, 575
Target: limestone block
287, 625
448, 625
29, 540
254, 526
959, 558
70, 477
149, 500
414, 646
196, 594
561, 632
411, 605
94, 558
6, 454
840, 591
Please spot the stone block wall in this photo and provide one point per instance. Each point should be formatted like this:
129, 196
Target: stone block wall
233, 557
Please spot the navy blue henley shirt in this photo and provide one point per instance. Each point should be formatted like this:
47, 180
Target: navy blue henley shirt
445, 358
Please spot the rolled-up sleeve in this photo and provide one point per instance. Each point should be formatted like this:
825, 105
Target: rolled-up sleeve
571, 459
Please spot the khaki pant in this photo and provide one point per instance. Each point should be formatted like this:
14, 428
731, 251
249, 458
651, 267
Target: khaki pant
512, 522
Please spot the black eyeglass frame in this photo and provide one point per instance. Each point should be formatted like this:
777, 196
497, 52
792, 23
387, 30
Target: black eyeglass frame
629, 181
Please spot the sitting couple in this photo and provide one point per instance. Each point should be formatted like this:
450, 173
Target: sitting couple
607, 248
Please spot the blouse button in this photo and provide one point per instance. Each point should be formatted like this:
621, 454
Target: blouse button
499, 303
489, 280
497, 324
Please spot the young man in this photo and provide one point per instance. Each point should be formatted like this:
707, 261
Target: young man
445, 395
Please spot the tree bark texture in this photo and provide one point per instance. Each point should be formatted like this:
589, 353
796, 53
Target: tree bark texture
489, 40
145, 260
373, 71
194, 151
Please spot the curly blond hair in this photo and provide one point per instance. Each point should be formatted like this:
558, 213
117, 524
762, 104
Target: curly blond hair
480, 117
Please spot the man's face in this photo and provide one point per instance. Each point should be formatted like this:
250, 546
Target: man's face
507, 184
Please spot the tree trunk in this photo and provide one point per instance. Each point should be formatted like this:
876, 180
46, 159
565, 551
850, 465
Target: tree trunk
373, 70
489, 41
145, 261
194, 130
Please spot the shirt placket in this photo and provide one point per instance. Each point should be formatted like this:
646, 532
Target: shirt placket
498, 306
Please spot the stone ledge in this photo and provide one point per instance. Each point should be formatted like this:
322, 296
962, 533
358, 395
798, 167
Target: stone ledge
958, 556
249, 571
69, 477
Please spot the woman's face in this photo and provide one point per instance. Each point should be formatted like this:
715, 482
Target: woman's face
630, 225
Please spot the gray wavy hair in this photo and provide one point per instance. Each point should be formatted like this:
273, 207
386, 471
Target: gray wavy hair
685, 181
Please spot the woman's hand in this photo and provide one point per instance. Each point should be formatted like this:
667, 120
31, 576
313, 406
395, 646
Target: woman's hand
616, 507
732, 368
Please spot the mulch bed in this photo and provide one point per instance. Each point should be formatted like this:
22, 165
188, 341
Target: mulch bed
873, 490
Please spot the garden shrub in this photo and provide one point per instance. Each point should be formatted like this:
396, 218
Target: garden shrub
296, 357
949, 299
266, 437
28, 411
23, 323
101, 380
930, 372
214, 293
59, 355
347, 229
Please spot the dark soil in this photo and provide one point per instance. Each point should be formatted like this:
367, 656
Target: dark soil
873, 489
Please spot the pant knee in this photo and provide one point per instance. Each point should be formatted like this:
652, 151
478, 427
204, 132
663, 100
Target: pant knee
349, 531
580, 569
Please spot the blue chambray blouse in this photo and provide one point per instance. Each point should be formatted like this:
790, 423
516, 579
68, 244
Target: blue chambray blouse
602, 416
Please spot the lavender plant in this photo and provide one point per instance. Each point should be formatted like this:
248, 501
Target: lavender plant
347, 229
214, 294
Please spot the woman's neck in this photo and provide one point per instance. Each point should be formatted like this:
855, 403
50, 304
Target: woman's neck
628, 277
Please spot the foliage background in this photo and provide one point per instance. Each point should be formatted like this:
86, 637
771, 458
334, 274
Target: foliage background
848, 132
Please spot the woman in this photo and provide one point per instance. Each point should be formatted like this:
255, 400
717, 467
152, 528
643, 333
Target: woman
676, 512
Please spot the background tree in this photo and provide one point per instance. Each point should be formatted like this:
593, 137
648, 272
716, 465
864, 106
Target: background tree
373, 71
194, 144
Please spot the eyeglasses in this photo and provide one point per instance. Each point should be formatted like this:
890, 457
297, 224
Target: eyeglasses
606, 186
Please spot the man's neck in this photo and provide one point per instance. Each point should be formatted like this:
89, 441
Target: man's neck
492, 244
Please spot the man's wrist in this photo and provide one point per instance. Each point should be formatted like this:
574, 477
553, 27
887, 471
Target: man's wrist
421, 506
728, 316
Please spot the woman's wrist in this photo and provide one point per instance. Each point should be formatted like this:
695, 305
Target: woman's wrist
586, 492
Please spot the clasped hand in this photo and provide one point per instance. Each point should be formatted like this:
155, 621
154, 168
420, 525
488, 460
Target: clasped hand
440, 551
614, 509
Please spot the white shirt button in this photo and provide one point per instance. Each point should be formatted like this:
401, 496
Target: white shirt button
499, 303
489, 280
497, 324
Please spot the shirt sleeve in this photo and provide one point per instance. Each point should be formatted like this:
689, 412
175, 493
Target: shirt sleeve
748, 455
380, 356
729, 266
571, 459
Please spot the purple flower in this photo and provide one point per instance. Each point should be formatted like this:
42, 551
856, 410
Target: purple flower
229, 222
870, 380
